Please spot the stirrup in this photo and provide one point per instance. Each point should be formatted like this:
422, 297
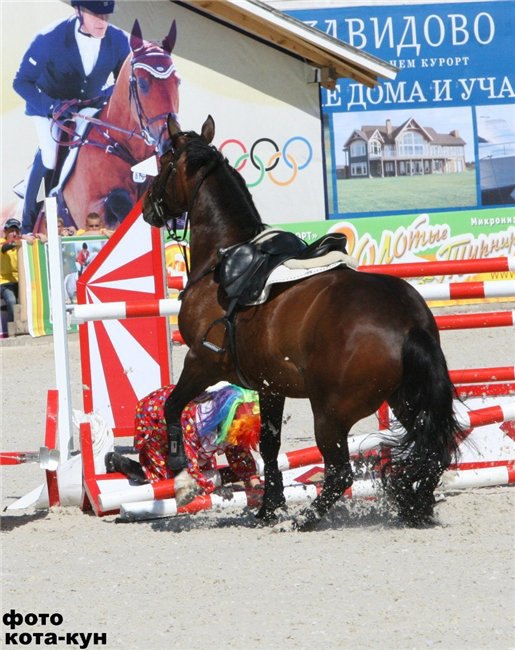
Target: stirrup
208, 344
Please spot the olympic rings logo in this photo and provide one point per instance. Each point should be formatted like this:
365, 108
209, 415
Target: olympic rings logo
270, 152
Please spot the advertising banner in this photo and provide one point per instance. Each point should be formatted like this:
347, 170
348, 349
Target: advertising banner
437, 144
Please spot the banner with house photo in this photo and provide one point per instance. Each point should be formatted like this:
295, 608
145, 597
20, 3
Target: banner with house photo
438, 139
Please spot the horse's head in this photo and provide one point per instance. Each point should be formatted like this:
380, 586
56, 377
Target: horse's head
153, 86
174, 188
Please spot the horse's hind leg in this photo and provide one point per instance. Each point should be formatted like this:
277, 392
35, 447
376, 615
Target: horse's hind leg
271, 407
423, 404
331, 438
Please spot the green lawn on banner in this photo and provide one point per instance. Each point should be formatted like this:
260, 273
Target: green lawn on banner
407, 193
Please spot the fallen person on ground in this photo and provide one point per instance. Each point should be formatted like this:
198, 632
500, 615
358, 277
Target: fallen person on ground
223, 420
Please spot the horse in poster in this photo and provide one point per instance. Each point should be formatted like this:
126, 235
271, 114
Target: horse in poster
129, 129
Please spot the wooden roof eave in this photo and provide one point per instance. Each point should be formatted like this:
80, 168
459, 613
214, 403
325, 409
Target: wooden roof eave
334, 58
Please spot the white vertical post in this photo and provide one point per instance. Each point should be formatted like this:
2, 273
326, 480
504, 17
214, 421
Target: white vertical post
60, 332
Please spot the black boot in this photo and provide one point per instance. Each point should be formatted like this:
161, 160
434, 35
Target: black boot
31, 206
176, 457
115, 462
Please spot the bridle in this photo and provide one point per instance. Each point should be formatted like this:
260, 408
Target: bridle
156, 198
160, 72
156, 194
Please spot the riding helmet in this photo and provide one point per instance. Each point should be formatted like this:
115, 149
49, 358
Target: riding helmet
95, 6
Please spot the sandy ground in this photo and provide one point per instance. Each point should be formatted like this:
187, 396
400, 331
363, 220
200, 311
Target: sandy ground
216, 581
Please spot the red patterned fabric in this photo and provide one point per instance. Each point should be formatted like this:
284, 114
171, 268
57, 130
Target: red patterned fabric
151, 441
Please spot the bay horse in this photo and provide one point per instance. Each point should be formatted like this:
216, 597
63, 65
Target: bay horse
344, 339
128, 130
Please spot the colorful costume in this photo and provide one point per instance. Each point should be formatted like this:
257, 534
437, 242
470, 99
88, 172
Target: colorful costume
225, 420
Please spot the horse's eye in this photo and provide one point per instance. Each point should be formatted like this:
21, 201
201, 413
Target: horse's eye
143, 85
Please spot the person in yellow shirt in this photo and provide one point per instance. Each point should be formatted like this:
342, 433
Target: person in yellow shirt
9, 246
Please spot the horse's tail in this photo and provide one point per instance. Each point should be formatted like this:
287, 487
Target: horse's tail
423, 404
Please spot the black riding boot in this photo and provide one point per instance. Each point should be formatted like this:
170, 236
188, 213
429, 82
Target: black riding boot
176, 457
31, 207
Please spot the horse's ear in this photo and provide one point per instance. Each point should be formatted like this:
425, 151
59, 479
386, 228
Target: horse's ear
173, 125
169, 41
136, 40
208, 129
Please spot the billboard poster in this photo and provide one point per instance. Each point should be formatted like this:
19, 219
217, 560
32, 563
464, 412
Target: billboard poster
84, 123
437, 144
77, 254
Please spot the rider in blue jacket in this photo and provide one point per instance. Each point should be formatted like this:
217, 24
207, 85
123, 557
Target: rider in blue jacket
71, 60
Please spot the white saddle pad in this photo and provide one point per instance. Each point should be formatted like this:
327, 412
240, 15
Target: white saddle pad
293, 270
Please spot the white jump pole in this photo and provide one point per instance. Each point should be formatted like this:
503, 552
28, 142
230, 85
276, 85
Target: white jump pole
60, 332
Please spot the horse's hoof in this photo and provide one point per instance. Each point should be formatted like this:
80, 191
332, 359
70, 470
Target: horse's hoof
419, 522
186, 488
286, 526
306, 521
266, 517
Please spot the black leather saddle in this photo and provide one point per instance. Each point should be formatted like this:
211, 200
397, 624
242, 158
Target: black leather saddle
244, 269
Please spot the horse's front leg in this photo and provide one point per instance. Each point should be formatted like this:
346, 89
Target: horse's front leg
272, 407
195, 377
331, 438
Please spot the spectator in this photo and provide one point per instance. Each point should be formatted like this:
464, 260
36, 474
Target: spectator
65, 231
9, 245
95, 226
222, 420
71, 61
62, 231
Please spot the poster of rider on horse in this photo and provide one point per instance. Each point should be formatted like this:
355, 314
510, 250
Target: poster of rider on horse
88, 88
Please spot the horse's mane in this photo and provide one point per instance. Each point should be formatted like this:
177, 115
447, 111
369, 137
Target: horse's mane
201, 154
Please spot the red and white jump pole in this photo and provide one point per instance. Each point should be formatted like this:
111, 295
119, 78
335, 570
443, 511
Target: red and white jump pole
466, 290
487, 415
128, 309
165, 489
422, 269
293, 494
474, 321
453, 267
451, 480
473, 375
